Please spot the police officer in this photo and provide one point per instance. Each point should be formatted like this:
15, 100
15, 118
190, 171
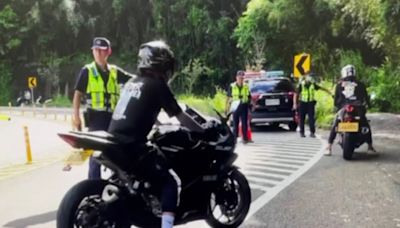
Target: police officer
239, 99
305, 101
141, 101
98, 83
357, 93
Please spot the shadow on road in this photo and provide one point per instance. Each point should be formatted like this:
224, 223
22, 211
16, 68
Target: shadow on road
362, 156
32, 220
388, 152
386, 157
267, 128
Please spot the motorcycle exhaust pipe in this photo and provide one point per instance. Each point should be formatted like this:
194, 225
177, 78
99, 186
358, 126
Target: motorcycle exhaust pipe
110, 194
364, 130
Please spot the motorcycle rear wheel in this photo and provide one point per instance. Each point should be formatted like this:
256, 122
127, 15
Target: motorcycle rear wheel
230, 204
80, 207
348, 145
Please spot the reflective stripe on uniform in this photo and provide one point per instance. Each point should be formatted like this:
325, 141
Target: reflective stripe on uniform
96, 90
307, 94
243, 92
113, 87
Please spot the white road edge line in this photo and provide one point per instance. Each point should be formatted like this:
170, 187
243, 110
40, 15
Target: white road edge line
259, 187
261, 180
269, 176
266, 197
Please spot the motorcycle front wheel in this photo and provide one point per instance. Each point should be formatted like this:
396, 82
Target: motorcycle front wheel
83, 207
230, 203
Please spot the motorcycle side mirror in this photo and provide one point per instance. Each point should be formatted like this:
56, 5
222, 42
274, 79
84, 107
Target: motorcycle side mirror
222, 118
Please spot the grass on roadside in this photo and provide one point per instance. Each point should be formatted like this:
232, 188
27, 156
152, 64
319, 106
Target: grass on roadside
205, 104
324, 107
60, 101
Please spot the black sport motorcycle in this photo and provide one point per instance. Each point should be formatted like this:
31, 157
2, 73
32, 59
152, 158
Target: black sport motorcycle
213, 188
353, 128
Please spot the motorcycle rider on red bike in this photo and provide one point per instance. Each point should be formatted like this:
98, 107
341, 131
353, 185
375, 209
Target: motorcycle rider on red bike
136, 112
342, 96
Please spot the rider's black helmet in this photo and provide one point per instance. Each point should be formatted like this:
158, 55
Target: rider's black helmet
156, 56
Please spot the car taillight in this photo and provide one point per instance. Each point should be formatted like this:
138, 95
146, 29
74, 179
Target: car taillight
255, 96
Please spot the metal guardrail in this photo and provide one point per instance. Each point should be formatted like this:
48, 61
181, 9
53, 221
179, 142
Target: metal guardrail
39, 111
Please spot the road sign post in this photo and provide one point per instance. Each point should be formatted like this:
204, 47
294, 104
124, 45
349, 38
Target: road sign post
32, 83
33, 99
302, 64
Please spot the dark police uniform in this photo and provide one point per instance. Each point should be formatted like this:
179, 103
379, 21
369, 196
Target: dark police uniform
95, 119
307, 90
241, 94
138, 107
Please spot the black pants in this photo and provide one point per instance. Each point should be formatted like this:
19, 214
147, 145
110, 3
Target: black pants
363, 120
150, 164
96, 121
333, 132
241, 114
307, 108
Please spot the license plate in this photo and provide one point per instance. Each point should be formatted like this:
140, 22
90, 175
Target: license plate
348, 127
270, 102
78, 157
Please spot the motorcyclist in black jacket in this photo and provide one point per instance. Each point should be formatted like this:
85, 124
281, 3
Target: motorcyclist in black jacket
136, 112
349, 89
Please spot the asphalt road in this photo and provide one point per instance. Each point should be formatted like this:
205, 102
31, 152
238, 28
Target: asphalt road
45, 146
364, 192
361, 193
271, 164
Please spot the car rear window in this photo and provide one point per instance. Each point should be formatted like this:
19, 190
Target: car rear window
273, 86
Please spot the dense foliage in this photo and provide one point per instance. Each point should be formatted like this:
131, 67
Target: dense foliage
212, 39
51, 39
335, 33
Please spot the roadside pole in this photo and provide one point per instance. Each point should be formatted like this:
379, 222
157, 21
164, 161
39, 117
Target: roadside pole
33, 102
28, 146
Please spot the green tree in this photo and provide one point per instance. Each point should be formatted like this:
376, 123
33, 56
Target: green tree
5, 80
9, 40
282, 28
201, 30
8, 30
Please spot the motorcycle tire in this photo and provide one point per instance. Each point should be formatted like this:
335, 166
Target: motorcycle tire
70, 204
244, 201
348, 146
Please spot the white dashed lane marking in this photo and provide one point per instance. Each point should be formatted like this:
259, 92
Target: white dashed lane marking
274, 161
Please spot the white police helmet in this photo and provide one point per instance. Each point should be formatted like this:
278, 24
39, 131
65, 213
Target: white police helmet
348, 71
